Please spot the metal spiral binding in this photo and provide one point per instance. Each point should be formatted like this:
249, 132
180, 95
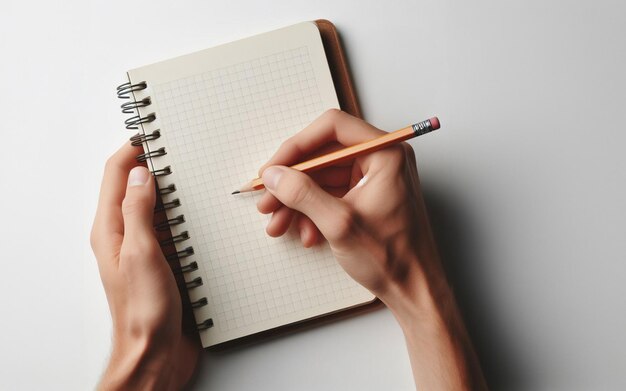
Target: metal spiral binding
187, 268
149, 155
127, 91
136, 120
175, 203
167, 189
199, 303
164, 226
163, 171
180, 254
123, 90
207, 324
138, 139
196, 282
130, 107
175, 239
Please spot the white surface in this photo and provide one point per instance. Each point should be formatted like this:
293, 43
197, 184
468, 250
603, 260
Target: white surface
525, 181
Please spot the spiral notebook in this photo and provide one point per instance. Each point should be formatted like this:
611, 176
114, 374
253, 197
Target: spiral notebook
207, 122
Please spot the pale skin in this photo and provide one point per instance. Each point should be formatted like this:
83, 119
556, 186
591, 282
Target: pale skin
370, 211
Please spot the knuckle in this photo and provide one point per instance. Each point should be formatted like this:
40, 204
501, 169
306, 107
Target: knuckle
343, 226
332, 113
111, 163
151, 250
140, 249
130, 253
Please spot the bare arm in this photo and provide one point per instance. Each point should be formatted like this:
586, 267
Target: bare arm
150, 350
372, 213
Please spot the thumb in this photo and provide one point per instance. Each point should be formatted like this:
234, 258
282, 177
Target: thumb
298, 191
138, 204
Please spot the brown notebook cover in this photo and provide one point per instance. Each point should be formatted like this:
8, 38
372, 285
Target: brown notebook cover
338, 68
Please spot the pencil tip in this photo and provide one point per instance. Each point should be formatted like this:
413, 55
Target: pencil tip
235, 192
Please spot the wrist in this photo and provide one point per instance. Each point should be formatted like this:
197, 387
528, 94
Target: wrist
418, 292
419, 299
139, 363
424, 305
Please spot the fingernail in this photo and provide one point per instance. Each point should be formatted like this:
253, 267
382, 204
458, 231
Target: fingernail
138, 176
271, 176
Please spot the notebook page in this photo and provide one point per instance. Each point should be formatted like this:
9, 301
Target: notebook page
222, 113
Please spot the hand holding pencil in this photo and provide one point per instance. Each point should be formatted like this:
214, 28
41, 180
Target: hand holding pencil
371, 211
354, 151
363, 188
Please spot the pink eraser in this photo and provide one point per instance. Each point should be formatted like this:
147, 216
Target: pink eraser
434, 122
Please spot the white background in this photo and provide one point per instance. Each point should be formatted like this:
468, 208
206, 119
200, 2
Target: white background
525, 182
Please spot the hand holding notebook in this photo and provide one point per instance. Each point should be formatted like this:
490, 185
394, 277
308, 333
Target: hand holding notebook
141, 290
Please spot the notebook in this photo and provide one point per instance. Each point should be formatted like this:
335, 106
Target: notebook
207, 121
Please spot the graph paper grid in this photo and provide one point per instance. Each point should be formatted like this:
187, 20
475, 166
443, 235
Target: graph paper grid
219, 127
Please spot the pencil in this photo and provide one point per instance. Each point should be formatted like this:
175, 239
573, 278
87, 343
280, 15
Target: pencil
354, 151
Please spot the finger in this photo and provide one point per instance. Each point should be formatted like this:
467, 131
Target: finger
309, 234
108, 223
298, 191
333, 125
141, 258
335, 179
280, 222
388, 161
138, 205
267, 203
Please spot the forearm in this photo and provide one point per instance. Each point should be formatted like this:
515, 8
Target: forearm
440, 350
138, 366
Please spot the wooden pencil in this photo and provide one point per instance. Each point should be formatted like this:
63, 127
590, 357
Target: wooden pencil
354, 151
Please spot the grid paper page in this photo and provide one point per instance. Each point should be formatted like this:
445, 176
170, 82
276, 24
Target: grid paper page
219, 126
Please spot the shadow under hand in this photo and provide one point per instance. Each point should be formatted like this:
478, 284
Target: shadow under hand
468, 270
